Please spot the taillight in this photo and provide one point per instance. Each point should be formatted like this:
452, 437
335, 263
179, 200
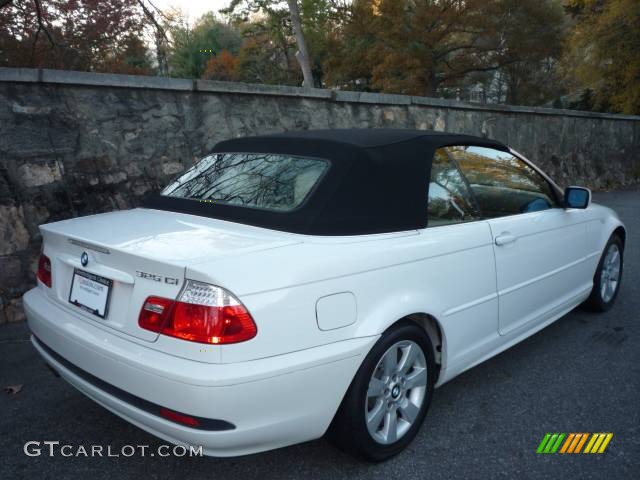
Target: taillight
44, 270
203, 313
154, 313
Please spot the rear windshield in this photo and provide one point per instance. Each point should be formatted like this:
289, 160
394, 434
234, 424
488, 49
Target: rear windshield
258, 180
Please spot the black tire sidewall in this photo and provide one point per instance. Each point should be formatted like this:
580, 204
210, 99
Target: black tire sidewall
353, 404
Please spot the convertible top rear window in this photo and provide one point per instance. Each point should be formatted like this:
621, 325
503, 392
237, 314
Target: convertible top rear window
258, 180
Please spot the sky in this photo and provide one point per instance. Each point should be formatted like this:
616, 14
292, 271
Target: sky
193, 8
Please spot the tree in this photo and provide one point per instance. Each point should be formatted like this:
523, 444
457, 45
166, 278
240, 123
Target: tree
270, 7
132, 58
532, 34
320, 18
302, 55
439, 47
223, 66
413, 47
68, 34
603, 53
266, 54
353, 48
193, 46
161, 40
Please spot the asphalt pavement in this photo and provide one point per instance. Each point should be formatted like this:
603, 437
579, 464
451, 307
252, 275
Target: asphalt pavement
581, 374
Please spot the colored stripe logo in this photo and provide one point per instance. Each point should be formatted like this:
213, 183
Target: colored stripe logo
574, 443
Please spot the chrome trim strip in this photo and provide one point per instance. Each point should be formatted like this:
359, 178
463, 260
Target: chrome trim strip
89, 246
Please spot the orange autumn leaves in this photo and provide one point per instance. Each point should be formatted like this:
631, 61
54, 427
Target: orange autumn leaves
224, 66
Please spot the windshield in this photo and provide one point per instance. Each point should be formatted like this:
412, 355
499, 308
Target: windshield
258, 180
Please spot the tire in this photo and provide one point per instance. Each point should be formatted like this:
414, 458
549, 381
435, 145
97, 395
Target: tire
409, 399
606, 281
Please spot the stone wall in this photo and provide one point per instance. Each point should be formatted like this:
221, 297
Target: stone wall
73, 143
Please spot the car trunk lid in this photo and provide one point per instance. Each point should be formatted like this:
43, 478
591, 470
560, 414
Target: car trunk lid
140, 253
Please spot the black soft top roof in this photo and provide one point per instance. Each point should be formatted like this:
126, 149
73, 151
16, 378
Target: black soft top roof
377, 181
365, 137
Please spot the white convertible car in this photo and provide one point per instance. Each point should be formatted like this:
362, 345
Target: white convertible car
304, 283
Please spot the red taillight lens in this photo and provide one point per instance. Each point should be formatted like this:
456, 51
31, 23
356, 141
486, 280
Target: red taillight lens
154, 313
44, 270
206, 324
203, 313
179, 417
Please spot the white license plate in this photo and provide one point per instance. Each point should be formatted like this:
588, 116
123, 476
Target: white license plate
90, 292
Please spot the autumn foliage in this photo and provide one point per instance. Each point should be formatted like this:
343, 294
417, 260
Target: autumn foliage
604, 51
97, 35
581, 54
223, 66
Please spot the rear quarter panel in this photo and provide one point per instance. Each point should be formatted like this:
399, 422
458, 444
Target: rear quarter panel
446, 272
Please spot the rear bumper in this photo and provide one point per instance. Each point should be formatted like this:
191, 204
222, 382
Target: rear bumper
269, 403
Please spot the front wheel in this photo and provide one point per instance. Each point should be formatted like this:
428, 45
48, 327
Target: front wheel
606, 281
388, 399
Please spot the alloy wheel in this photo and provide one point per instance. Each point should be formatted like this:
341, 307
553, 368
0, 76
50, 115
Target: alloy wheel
396, 392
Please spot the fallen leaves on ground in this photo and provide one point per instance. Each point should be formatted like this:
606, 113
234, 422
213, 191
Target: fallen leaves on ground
13, 389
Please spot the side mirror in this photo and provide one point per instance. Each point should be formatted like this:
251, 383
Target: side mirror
577, 197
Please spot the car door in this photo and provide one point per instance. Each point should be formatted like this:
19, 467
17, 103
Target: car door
540, 248
461, 269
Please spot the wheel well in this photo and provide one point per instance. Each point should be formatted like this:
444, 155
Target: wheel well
622, 233
433, 329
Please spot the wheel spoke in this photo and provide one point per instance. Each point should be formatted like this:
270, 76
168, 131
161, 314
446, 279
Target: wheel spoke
390, 431
390, 362
606, 290
374, 417
408, 358
409, 411
607, 258
615, 272
614, 256
418, 378
376, 387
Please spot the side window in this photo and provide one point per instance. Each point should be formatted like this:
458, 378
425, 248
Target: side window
501, 183
450, 200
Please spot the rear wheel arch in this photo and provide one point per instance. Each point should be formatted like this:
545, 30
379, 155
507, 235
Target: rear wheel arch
434, 330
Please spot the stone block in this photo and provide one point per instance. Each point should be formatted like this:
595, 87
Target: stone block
172, 168
38, 174
14, 311
10, 270
14, 236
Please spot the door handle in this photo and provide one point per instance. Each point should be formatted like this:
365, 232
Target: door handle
505, 239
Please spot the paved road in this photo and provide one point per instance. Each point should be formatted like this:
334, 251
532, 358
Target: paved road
581, 374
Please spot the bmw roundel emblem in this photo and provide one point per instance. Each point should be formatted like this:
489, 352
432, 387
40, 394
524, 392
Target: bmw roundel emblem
84, 259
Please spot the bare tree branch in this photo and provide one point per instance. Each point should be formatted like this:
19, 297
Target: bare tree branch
477, 68
41, 25
151, 17
161, 37
159, 11
41, 28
